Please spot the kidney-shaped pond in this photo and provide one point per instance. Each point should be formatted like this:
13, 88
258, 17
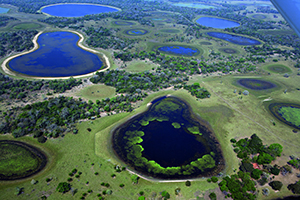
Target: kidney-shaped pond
235, 39
217, 22
58, 55
168, 142
76, 10
19, 160
256, 84
179, 50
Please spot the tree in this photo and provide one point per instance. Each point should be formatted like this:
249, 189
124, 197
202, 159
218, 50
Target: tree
63, 187
214, 179
256, 174
165, 194
276, 185
213, 196
188, 183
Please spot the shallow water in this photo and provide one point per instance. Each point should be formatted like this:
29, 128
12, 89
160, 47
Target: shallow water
234, 38
217, 23
58, 55
76, 10
4, 10
179, 50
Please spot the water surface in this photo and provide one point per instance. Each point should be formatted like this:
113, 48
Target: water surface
76, 10
234, 38
179, 50
216, 22
58, 56
4, 10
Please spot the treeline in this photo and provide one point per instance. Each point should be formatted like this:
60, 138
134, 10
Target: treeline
53, 117
4, 20
103, 38
125, 82
16, 41
20, 88
190, 66
197, 90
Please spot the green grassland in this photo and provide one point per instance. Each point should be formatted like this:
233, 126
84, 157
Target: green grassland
27, 26
96, 92
140, 66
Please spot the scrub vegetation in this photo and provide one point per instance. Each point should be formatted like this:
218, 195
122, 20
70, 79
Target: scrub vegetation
72, 120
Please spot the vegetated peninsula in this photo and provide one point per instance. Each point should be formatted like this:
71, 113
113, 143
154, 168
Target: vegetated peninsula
146, 100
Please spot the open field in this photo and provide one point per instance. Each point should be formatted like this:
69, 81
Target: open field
96, 92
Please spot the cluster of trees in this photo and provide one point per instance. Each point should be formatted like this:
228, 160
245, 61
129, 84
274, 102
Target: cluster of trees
20, 88
245, 147
104, 38
16, 41
239, 185
197, 90
266, 9
4, 20
125, 82
190, 66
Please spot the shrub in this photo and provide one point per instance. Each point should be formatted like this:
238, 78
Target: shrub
214, 179
141, 198
256, 174
70, 179
121, 185
96, 173
276, 185
63, 187
141, 193
213, 196
177, 191
41, 139
295, 188
165, 194
209, 180
188, 183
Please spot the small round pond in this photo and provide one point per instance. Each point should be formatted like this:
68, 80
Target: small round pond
136, 32
259, 16
228, 50
205, 43
179, 50
58, 55
168, 142
194, 5
217, 22
76, 10
123, 23
288, 113
278, 68
235, 39
19, 160
255, 84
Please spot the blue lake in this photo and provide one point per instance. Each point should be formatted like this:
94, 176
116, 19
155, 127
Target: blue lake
217, 23
234, 38
194, 5
179, 50
76, 10
136, 32
58, 56
4, 10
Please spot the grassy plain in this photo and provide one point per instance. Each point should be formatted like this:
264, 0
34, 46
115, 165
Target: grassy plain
140, 66
96, 92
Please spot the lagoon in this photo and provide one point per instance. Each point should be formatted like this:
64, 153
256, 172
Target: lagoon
217, 22
194, 5
58, 55
4, 10
168, 141
235, 39
76, 10
179, 50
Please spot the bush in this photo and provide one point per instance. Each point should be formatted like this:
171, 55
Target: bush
213, 196
177, 191
233, 140
276, 185
295, 188
209, 180
63, 187
188, 183
141, 198
121, 185
214, 179
256, 174
41, 139
141, 193
165, 194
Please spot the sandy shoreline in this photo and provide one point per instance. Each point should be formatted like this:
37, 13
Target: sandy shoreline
36, 46
40, 10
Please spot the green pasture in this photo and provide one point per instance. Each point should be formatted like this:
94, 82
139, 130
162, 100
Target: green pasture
96, 92
140, 66
27, 26
277, 68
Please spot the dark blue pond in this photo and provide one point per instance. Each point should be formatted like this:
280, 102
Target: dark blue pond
58, 55
255, 84
217, 23
76, 10
170, 135
235, 39
179, 50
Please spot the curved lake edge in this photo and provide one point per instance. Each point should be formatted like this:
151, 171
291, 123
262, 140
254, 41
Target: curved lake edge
7, 70
272, 109
40, 10
216, 171
234, 34
211, 16
38, 152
